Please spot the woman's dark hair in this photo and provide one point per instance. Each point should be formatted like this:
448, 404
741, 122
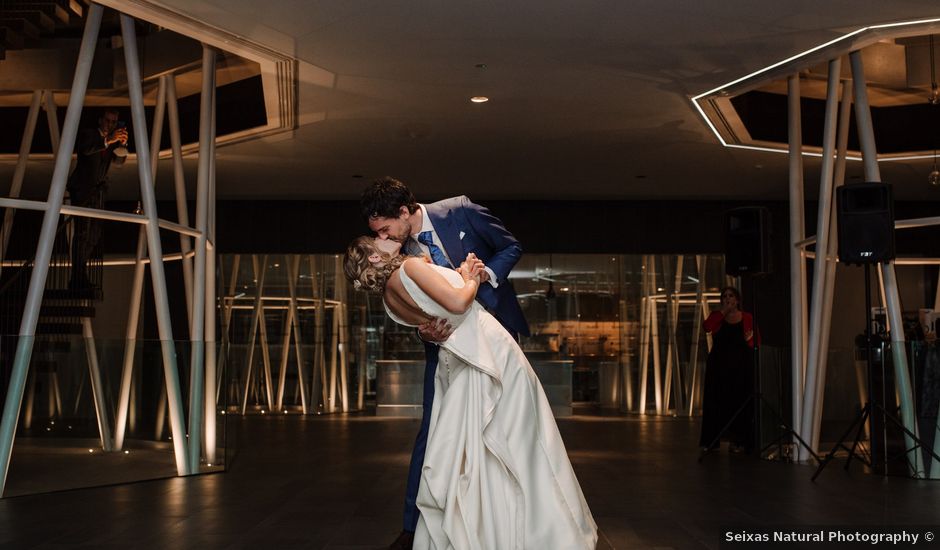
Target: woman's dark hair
732, 290
384, 199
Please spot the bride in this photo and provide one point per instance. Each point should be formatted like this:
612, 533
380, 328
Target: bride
496, 474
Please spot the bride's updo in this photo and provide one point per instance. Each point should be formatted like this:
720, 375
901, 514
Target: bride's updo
361, 272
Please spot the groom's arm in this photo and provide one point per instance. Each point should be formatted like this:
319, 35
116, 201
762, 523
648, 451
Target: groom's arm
490, 229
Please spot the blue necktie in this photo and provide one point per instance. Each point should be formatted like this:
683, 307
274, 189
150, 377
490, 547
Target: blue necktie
437, 255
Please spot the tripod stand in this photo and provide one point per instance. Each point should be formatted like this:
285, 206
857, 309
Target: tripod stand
867, 410
758, 400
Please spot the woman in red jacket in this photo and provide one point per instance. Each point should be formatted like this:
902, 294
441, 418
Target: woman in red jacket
729, 375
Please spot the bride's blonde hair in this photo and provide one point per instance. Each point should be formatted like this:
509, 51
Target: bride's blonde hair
362, 273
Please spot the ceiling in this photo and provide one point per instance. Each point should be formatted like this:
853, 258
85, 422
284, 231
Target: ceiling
588, 99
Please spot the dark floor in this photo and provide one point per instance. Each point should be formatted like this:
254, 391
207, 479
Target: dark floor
337, 483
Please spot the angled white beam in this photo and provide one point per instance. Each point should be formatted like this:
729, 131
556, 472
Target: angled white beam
97, 388
154, 246
179, 185
137, 288
815, 380
130, 341
696, 330
63, 157
52, 119
20, 171
256, 319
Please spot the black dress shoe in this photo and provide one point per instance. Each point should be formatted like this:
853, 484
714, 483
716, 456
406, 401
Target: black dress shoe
403, 542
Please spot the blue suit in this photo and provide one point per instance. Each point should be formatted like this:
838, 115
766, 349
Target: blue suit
464, 227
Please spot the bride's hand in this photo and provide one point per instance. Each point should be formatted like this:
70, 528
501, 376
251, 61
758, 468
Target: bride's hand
471, 269
484, 274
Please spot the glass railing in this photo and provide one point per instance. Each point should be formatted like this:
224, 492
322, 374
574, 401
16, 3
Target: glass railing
83, 422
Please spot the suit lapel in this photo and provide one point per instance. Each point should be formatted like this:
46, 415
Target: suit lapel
445, 224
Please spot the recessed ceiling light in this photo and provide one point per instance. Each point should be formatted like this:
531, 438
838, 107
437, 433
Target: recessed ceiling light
479, 99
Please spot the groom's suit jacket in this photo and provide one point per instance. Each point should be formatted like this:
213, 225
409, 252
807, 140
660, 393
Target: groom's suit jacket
464, 227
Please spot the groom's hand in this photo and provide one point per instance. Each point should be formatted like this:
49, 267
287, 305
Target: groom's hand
435, 331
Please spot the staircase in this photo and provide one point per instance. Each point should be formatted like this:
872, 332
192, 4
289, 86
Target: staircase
59, 329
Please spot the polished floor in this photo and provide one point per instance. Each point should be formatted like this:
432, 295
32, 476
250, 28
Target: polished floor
337, 483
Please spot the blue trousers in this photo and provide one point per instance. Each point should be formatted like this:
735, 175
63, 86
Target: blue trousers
421, 441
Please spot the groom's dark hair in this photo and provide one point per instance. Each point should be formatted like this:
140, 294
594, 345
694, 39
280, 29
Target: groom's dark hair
384, 199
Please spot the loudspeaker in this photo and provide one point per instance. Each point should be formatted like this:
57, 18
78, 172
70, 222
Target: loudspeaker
866, 223
747, 241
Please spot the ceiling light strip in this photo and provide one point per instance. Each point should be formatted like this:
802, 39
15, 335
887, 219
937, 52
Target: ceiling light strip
696, 99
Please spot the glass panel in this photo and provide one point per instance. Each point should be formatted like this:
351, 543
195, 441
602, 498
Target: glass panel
73, 395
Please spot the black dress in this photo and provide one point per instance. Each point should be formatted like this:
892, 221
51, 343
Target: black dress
729, 377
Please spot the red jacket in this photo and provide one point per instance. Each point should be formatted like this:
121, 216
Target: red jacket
713, 324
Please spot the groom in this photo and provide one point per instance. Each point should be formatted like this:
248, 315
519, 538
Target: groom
445, 231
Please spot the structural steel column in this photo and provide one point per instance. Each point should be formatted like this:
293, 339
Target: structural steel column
293, 263
63, 158
866, 136
227, 307
815, 381
256, 317
831, 255
130, 341
644, 334
52, 118
798, 328
97, 388
696, 330
211, 302
155, 248
20, 171
179, 183
137, 287
654, 336
198, 326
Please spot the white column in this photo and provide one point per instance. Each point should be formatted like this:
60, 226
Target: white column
198, 326
342, 333
227, 308
866, 136
52, 118
644, 333
130, 341
20, 171
63, 157
211, 302
97, 388
654, 336
696, 330
293, 262
257, 319
798, 306
831, 255
154, 246
179, 184
137, 286
815, 381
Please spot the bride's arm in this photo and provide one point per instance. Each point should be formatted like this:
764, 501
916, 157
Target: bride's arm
454, 300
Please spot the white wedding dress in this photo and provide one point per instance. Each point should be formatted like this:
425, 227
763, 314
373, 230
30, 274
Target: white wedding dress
496, 475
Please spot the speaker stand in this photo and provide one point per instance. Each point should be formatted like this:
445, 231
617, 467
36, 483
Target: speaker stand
866, 413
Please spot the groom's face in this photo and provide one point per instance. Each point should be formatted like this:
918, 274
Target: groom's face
395, 229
